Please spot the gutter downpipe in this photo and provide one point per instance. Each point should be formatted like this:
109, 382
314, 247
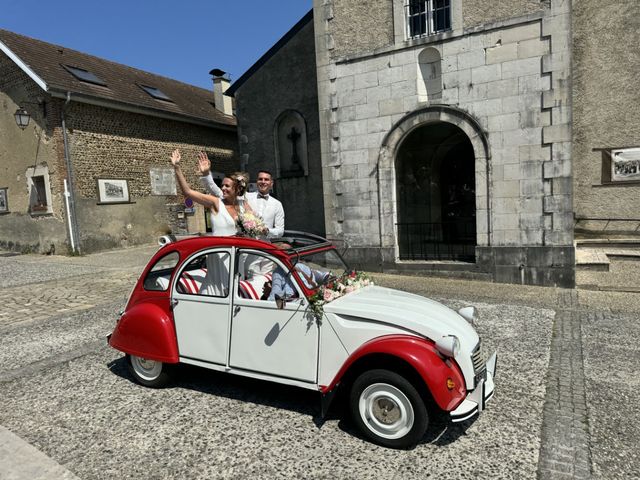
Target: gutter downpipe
69, 195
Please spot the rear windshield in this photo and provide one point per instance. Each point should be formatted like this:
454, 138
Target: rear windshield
159, 276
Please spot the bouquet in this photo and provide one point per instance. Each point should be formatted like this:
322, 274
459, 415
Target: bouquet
336, 288
251, 226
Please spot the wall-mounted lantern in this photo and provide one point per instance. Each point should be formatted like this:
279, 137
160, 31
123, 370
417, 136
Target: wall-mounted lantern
22, 118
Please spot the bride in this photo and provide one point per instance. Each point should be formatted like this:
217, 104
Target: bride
224, 215
224, 210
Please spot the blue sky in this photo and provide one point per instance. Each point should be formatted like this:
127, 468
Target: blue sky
178, 39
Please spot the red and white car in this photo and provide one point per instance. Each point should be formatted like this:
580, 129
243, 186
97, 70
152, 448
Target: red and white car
396, 355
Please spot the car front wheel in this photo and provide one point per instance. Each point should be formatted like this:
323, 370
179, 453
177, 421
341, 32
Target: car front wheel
388, 409
149, 373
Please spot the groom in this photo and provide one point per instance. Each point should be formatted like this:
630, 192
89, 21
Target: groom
262, 202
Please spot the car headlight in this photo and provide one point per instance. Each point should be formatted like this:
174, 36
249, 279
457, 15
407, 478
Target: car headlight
470, 314
449, 346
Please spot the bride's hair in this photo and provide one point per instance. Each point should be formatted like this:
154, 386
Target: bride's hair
240, 180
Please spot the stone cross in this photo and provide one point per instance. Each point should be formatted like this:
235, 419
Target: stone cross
294, 136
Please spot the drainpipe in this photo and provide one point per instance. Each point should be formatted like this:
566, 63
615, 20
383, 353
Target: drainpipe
69, 195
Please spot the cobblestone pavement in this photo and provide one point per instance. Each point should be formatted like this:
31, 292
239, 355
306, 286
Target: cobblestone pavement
36, 287
564, 405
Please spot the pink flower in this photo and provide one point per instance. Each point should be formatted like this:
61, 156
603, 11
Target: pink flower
349, 289
328, 295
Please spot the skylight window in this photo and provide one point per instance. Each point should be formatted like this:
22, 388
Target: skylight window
84, 75
155, 93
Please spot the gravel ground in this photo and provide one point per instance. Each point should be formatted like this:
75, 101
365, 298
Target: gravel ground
88, 415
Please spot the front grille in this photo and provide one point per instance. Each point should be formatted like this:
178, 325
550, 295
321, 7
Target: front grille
478, 359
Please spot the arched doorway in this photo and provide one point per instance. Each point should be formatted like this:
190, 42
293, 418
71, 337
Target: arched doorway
436, 194
454, 151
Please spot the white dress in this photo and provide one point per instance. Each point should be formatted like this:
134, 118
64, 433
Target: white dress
216, 282
222, 223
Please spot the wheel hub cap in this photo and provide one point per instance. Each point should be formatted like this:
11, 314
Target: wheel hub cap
386, 410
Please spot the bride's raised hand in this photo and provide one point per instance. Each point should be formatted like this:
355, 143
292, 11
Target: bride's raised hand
175, 157
204, 164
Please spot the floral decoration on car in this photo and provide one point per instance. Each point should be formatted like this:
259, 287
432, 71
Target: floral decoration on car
336, 288
251, 226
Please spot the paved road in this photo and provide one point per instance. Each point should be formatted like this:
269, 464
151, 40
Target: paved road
564, 407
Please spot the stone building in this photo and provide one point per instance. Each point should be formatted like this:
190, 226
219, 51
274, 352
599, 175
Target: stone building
103, 133
280, 129
457, 135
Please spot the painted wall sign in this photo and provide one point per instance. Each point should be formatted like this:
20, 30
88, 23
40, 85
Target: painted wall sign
163, 181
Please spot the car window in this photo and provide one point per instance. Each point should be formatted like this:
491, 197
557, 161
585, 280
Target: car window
324, 264
206, 275
254, 276
160, 274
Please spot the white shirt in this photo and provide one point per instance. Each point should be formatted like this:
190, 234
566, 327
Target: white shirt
269, 209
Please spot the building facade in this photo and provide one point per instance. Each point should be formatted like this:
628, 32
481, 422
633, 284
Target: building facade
446, 135
102, 133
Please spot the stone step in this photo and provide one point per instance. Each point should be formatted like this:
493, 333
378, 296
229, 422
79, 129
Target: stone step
461, 270
592, 259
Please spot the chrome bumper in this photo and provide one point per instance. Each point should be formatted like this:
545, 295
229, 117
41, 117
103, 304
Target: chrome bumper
477, 399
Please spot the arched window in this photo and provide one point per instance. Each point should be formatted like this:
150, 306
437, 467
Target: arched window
290, 134
429, 75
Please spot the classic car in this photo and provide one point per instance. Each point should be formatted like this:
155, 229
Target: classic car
398, 357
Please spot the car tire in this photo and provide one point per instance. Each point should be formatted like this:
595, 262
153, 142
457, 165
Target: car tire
388, 409
149, 373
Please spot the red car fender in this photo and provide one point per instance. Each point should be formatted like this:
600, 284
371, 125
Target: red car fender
423, 357
147, 330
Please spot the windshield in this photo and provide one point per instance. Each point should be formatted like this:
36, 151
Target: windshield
324, 265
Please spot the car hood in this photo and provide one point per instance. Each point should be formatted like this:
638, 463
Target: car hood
407, 311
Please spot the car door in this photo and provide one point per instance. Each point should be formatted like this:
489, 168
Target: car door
201, 306
266, 339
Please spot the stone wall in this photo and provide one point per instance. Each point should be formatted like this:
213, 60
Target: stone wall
361, 26
287, 81
478, 12
113, 144
605, 114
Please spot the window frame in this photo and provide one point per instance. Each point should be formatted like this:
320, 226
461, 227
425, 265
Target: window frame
151, 91
37, 172
188, 261
239, 300
429, 11
4, 193
148, 283
77, 72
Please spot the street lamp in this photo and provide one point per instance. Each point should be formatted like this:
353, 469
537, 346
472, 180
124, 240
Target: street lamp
22, 118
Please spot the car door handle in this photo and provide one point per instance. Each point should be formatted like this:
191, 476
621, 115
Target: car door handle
236, 310
174, 302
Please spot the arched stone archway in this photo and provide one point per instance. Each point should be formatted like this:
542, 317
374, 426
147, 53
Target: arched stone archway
387, 172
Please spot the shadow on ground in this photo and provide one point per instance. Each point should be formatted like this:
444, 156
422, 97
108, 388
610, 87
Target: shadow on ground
441, 431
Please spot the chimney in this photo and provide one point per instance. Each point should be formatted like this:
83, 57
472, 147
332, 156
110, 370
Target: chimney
220, 85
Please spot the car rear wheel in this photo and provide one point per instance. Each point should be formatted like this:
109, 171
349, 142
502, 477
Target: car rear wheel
388, 409
149, 373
